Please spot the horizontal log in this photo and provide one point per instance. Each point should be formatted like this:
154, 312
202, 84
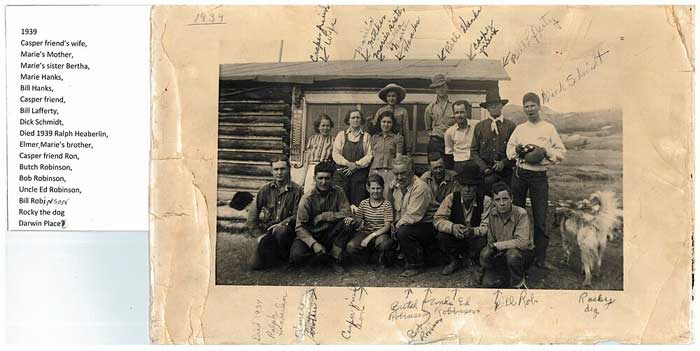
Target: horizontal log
250, 101
252, 130
250, 184
253, 107
225, 143
243, 169
284, 120
237, 155
251, 113
257, 125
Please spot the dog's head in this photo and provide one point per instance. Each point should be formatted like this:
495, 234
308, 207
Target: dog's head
602, 201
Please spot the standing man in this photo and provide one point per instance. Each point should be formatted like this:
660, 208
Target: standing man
439, 116
321, 229
274, 212
462, 220
509, 239
439, 179
414, 206
534, 146
458, 137
490, 140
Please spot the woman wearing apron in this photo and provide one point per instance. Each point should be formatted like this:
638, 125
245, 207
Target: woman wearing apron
352, 152
318, 149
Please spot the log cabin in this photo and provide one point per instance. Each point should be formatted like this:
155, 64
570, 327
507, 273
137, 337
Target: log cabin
268, 109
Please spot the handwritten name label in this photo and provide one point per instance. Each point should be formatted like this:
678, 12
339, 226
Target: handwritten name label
534, 35
325, 30
269, 320
523, 299
387, 35
429, 311
356, 310
257, 325
464, 26
307, 316
275, 320
582, 71
483, 41
595, 304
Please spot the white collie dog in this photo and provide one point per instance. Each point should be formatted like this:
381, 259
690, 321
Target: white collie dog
590, 228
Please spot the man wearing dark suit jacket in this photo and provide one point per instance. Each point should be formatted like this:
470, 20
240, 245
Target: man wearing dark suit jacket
491, 136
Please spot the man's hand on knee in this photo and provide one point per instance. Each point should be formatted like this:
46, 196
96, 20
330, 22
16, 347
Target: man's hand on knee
318, 249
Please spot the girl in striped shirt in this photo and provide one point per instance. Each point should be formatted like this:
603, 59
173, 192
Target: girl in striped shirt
373, 220
318, 149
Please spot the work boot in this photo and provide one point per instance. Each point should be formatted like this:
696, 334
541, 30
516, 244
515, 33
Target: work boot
451, 267
338, 268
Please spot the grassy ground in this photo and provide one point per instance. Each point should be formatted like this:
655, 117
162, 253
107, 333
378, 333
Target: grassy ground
597, 167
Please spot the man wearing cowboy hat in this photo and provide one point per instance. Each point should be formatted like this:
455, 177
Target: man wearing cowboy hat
462, 220
393, 94
439, 116
488, 148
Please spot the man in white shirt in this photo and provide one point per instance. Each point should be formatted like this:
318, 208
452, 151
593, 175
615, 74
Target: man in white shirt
534, 145
458, 137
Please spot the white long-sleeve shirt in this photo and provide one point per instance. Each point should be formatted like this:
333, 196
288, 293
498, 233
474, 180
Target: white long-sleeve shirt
542, 134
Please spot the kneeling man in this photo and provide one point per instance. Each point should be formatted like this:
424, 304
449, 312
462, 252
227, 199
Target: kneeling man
414, 205
509, 239
462, 220
321, 229
274, 212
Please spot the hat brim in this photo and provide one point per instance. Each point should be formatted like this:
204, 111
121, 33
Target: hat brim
438, 84
401, 92
486, 104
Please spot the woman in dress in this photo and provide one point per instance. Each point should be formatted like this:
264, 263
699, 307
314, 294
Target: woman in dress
352, 152
318, 149
393, 94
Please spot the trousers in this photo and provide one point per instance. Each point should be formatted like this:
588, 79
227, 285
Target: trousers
415, 240
333, 241
515, 260
536, 185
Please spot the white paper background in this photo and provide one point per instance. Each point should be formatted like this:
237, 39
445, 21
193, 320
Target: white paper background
113, 96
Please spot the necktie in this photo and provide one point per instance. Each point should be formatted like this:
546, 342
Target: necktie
494, 126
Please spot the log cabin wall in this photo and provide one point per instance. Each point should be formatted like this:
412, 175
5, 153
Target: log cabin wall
254, 126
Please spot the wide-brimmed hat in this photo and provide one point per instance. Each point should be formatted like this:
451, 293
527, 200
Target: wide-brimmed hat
400, 92
438, 80
470, 175
492, 96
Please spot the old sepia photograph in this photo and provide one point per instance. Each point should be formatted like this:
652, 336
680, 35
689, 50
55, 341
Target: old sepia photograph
413, 172
393, 174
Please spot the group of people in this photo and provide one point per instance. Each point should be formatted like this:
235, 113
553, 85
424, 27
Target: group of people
361, 199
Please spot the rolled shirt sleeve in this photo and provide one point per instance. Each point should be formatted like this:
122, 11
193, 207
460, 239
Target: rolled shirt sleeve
441, 219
